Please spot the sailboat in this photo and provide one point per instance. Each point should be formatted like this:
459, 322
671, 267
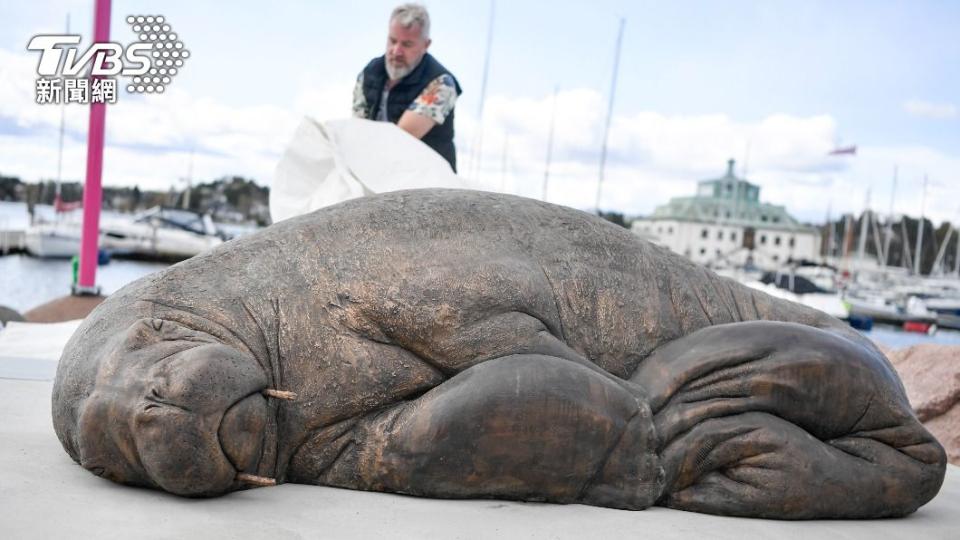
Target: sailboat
61, 237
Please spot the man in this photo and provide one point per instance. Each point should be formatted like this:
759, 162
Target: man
408, 87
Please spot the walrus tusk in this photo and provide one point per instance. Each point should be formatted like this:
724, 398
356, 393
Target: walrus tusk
256, 480
280, 394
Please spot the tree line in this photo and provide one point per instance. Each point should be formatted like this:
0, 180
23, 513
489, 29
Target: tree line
229, 198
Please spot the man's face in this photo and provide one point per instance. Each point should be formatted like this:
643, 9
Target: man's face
405, 49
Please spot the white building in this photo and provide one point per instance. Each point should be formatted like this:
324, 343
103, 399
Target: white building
726, 224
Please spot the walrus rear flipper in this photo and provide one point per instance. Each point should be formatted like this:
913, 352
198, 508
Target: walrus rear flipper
781, 420
528, 427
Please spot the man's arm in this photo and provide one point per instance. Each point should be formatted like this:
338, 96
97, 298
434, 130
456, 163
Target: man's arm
431, 107
359, 101
415, 123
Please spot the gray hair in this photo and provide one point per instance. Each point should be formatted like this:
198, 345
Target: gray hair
409, 14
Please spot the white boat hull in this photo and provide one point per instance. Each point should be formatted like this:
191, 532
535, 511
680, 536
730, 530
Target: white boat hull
52, 241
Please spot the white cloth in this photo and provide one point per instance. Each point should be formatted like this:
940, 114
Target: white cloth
340, 160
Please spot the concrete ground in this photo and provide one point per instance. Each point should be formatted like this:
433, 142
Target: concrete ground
43, 494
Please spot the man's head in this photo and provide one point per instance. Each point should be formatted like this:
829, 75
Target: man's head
408, 37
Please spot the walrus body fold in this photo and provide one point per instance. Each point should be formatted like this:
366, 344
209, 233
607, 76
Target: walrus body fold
462, 344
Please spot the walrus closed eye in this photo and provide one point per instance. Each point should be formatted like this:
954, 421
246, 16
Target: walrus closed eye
460, 344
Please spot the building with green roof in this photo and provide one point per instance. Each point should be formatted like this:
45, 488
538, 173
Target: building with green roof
725, 223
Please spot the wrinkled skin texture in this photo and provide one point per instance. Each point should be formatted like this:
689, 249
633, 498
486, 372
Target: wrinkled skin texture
460, 344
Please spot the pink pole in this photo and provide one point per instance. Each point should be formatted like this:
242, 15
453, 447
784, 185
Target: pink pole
92, 192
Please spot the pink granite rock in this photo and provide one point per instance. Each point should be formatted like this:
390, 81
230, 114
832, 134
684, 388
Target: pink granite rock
931, 375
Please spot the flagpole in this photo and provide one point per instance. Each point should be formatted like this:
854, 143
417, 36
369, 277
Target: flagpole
92, 193
606, 129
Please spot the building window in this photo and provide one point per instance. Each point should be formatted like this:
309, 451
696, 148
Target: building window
719, 235
669, 230
728, 214
703, 233
776, 219
659, 230
763, 239
763, 217
703, 251
792, 241
733, 237
776, 240
718, 253
776, 258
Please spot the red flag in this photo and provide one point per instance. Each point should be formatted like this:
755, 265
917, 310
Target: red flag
60, 207
844, 151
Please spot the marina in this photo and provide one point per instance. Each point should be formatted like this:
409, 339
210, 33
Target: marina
513, 327
877, 302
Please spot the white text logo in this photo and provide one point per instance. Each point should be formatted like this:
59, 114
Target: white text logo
149, 64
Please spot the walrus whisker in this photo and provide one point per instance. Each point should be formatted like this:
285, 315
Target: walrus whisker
280, 394
256, 480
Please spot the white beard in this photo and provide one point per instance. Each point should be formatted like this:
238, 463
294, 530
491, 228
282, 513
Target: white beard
395, 73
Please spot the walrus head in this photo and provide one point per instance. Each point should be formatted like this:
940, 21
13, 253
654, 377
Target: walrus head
161, 405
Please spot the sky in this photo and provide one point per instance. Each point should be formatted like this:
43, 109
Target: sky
775, 85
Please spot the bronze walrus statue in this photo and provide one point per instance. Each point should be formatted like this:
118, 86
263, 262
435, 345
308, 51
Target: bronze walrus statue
462, 344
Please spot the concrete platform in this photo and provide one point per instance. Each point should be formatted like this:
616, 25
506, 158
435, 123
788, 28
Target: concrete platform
43, 494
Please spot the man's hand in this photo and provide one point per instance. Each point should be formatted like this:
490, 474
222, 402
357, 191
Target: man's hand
415, 124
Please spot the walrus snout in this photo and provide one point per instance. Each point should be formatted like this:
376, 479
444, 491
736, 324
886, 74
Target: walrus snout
208, 421
193, 421
242, 431
181, 452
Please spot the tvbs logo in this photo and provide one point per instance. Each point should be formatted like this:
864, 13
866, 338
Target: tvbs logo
108, 63
149, 63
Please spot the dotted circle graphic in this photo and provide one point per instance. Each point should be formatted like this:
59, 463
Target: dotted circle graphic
166, 51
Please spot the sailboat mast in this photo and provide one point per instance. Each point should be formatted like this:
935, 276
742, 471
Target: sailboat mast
923, 209
889, 233
875, 229
847, 236
956, 258
476, 153
546, 167
830, 231
905, 252
862, 243
503, 163
63, 115
606, 129
937, 263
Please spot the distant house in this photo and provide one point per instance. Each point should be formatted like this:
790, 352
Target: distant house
726, 224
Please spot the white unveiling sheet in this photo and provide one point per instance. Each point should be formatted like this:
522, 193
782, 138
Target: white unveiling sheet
334, 161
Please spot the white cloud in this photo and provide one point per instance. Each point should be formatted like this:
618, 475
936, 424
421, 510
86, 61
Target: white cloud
652, 156
149, 139
926, 109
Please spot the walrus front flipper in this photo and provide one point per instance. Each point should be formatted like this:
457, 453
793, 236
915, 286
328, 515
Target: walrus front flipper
781, 420
527, 427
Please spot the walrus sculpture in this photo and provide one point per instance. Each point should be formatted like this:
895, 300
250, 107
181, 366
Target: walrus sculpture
461, 344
